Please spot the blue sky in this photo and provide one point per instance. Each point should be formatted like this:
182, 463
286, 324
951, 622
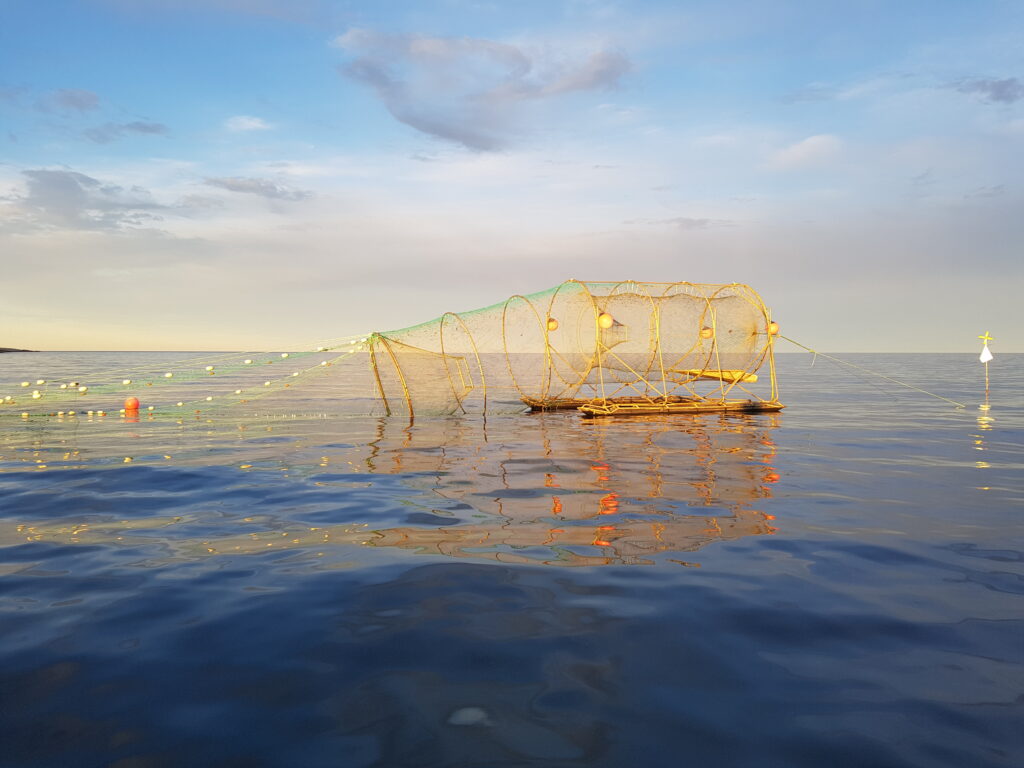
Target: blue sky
213, 174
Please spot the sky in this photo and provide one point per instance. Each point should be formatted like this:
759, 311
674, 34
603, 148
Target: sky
262, 174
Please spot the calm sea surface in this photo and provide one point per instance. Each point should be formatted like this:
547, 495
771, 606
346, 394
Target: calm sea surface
840, 584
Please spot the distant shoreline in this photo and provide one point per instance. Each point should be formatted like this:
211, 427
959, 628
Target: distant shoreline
8, 349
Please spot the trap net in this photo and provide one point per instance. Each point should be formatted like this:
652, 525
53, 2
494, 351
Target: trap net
603, 348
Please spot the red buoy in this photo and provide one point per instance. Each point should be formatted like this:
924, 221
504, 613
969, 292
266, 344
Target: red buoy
131, 404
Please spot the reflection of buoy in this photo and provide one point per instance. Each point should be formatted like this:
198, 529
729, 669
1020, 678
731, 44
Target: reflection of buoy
131, 403
773, 328
552, 324
706, 333
606, 321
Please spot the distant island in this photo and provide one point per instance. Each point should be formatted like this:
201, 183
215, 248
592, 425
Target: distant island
8, 349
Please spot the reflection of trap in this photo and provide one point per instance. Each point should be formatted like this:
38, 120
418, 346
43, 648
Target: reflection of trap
606, 349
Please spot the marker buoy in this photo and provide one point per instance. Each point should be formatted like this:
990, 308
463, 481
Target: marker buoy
131, 404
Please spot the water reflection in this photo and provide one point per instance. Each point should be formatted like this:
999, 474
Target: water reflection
597, 494
985, 423
540, 489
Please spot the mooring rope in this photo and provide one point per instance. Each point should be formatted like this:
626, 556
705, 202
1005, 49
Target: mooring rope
873, 373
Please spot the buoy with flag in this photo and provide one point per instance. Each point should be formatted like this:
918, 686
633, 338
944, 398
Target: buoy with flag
986, 355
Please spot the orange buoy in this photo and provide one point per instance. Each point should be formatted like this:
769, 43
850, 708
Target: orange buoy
131, 404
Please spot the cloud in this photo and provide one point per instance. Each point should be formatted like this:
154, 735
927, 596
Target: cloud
262, 187
924, 179
808, 152
469, 91
65, 199
997, 190
12, 96
75, 99
195, 202
992, 90
684, 223
812, 92
108, 132
240, 123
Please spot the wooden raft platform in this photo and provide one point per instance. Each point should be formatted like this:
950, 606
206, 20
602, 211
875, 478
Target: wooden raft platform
643, 406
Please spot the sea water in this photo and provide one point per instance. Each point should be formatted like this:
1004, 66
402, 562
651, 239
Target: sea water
838, 584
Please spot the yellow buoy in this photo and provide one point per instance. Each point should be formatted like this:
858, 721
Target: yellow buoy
706, 333
773, 328
606, 321
552, 324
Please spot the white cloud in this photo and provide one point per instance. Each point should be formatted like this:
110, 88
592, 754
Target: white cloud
240, 123
262, 187
471, 91
809, 152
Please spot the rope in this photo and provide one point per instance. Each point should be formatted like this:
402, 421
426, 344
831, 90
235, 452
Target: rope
873, 373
